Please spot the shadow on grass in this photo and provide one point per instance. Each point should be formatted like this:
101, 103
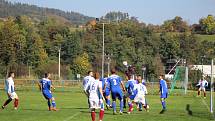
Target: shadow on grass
189, 111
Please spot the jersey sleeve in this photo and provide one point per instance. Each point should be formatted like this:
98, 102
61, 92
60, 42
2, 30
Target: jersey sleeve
120, 79
86, 87
8, 86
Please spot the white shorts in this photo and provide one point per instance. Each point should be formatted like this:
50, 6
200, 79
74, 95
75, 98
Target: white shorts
202, 88
13, 95
140, 99
95, 103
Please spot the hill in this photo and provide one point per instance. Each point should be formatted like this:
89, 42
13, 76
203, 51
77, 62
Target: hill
18, 9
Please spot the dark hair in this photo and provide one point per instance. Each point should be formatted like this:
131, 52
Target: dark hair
139, 75
129, 76
10, 74
46, 74
113, 70
162, 75
89, 72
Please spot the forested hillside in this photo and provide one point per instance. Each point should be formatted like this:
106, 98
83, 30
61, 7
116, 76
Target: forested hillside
30, 45
38, 13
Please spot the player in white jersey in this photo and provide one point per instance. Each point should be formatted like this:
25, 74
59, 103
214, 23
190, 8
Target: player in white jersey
11, 91
86, 79
94, 91
141, 93
202, 84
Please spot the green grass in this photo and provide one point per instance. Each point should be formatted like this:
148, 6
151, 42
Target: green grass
73, 107
205, 37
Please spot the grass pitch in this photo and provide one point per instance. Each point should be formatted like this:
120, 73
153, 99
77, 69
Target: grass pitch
73, 107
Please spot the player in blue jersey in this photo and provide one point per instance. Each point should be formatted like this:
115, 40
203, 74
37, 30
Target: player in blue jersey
115, 81
106, 92
45, 86
163, 93
131, 93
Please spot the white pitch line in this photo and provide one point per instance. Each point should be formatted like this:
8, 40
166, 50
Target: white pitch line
71, 117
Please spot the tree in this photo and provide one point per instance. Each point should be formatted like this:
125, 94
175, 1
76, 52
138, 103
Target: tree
208, 24
81, 64
175, 25
12, 44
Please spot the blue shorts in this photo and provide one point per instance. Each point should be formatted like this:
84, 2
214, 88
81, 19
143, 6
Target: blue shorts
47, 94
132, 97
107, 92
164, 95
117, 93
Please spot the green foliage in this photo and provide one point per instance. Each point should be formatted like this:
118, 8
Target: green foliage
81, 64
208, 24
30, 43
12, 43
38, 13
175, 25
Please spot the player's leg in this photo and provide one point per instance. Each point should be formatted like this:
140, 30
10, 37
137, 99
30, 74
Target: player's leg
163, 102
120, 97
53, 104
113, 94
101, 113
124, 101
49, 104
16, 101
144, 103
7, 101
93, 114
199, 90
204, 91
107, 98
130, 104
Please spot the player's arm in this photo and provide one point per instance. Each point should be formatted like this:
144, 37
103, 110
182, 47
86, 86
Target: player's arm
123, 87
39, 85
104, 87
198, 83
52, 87
86, 88
101, 92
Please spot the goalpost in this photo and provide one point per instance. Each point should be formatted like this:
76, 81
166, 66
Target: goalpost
212, 86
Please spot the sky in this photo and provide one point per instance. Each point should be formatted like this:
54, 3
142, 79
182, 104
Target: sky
147, 11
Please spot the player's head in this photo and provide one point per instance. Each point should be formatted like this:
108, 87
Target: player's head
139, 79
113, 71
90, 73
47, 75
161, 76
96, 75
129, 76
11, 74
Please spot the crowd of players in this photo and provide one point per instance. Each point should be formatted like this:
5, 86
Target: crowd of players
99, 90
